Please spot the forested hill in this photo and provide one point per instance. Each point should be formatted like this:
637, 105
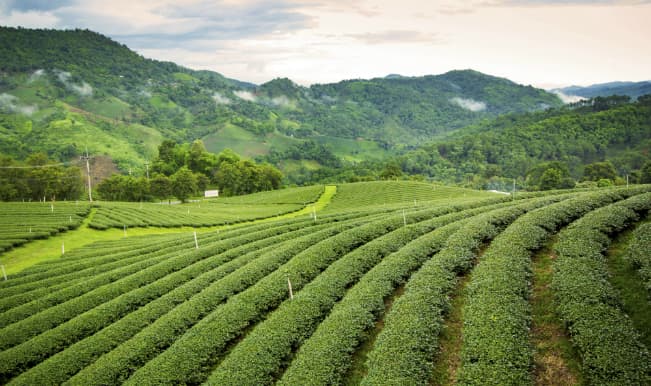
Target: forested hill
600, 130
61, 91
403, 109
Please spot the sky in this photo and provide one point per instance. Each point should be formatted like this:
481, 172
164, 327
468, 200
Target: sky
545, 43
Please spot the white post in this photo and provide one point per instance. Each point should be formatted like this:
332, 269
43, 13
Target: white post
124, 227
627, 181
30, 229
52, 208
70, 219
289, 285
404, 218
314, 212
63, 248
3, 272
196, 243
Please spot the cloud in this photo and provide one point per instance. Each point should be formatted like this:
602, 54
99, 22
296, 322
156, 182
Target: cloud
281, 101
246, 95
36, 75
568, 98
29, 19
396, 37
83, 88
220, 99
10, 103
36, 5
469, 104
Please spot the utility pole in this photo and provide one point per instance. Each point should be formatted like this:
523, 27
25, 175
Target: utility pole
87, 158
147, 169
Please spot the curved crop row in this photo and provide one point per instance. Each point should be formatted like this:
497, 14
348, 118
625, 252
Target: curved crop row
63, 365
114, 301
609, 345
256, 358
496, 346
404, 349
15, 309
326, 355
21, 222
189, 359
118, 364
638, 252
117, 215
92, 268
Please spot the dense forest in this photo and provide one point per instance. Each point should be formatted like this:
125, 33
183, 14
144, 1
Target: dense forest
489, 155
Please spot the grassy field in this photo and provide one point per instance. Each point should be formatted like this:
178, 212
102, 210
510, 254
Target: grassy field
367, 285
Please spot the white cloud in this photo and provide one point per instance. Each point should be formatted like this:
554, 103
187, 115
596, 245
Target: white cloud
281, 101
246, 95
36, 75
29, 19
469, 104
83, 88
220, 99
11, 103
568, 98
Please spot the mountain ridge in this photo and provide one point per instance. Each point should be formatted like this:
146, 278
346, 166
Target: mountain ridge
61, 91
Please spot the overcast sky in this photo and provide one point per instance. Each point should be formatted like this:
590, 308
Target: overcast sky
541, 42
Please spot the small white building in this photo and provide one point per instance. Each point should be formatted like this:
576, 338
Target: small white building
211, 193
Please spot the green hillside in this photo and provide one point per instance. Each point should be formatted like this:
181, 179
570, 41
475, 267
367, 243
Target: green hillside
63, 91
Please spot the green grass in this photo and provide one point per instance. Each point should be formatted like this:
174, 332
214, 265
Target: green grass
448, 359
245, 143
358, 369
556, 361
395, 194
109, 107
632, 291
353, 150
184, 77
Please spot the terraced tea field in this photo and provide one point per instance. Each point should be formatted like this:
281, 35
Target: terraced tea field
359, 288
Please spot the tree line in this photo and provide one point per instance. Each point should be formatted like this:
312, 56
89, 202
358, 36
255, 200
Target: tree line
185, 170
38, 178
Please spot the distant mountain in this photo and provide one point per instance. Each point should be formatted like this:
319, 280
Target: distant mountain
631, 89
61, 91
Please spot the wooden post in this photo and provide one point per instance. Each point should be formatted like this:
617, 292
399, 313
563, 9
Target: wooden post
289, 285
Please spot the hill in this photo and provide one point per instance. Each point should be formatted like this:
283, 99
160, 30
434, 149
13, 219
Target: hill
603, 129
631, 89
63, 91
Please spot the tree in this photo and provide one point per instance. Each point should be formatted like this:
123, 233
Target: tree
160, 187
599, 170
645, 173
184, 184
550, 175
550, 179
390, 171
